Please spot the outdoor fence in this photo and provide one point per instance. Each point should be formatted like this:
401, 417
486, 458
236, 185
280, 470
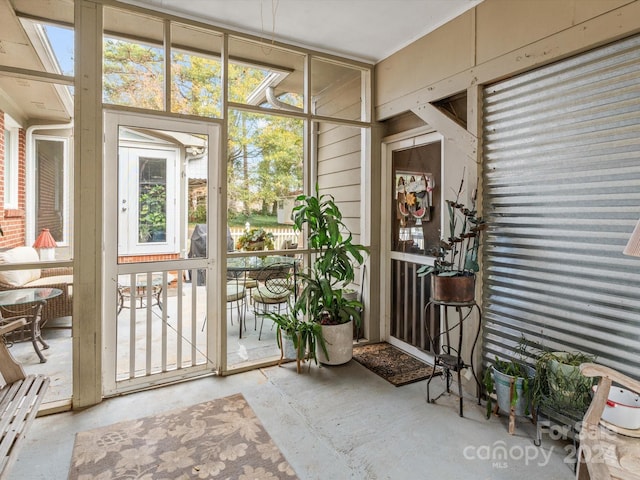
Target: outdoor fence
280, 235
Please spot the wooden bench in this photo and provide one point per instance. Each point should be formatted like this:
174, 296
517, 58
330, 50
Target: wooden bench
607, 451
20, 398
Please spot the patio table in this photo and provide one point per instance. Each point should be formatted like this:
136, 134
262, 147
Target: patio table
26, 303
139, 291
241, 267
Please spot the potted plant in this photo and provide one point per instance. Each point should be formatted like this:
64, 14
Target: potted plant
560, 386
512, 382
322, 295
255, 239
453, 271
303, 336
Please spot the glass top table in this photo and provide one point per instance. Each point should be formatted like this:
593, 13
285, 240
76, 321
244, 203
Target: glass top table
9, 298
255, 263
26, 303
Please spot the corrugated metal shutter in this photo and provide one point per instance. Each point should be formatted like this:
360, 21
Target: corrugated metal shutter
562, 194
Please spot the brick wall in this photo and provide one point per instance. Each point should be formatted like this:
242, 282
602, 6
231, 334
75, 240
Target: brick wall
13, 220
148, 258
1, 168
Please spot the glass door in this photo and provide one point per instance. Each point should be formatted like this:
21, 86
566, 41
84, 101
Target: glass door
147, 180
161, 313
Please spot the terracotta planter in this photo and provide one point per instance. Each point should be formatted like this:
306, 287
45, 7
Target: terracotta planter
453, 289
254, 246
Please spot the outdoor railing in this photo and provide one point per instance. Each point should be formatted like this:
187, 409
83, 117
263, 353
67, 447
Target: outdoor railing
280, 235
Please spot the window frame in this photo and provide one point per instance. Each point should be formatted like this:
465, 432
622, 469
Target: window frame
64, 181
11, 159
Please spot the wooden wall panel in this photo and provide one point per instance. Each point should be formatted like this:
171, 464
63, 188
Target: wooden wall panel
444, 52
524, 22
501, 38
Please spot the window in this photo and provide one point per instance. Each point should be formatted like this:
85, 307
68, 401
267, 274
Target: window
133, 68
51, 195
11, 141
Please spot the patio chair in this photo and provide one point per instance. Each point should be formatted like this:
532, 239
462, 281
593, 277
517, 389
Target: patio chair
609, 451
61, 278
274, 292
236, 294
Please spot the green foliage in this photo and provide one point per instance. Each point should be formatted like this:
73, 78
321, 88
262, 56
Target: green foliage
322, 295
133, 74
560, 386
265, 152
265, 159
152, 215
253, 236
513, 369
457, 254
255, 219
198, 214
305, 335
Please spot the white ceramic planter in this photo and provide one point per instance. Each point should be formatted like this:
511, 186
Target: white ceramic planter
565, 380
289, 351
339, 342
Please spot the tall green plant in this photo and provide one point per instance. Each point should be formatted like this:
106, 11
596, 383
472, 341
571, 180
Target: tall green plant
457, 253
333, 266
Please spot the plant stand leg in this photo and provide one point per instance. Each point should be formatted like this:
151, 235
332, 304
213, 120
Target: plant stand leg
512, 407
281, 347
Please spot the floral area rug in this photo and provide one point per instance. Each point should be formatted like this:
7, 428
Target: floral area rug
222, 438
392, 364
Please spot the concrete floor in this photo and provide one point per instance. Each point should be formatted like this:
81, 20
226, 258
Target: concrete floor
330, 423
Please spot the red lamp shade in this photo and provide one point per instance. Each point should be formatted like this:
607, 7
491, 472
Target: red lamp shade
45, 240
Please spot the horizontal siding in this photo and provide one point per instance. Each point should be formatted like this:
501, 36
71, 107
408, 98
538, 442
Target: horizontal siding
562, 195
339, 151
332, 133
344, 100
341, 163
348, 145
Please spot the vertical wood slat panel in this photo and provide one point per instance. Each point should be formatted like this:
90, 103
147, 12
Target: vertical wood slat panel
561, 174
132, 332
163, 360
149, 330
410, 295
179, 324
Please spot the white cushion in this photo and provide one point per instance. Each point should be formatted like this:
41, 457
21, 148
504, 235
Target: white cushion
17, 278
52, 280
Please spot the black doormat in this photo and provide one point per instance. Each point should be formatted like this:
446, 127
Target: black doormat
392, 364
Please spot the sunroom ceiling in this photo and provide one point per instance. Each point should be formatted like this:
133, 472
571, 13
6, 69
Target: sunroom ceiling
368, 30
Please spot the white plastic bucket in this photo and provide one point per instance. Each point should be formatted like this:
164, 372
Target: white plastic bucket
622, 408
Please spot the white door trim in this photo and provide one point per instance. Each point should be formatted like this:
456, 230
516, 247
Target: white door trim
410, 139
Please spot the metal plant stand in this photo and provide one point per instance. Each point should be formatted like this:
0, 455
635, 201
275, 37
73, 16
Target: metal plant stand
450, 356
